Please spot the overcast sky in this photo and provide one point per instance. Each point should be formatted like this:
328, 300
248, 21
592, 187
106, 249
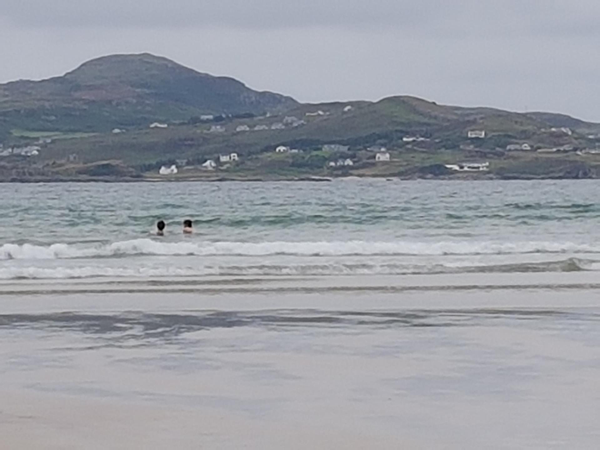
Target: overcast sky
522, 55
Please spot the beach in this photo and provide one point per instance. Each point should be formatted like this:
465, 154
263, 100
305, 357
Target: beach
451, 325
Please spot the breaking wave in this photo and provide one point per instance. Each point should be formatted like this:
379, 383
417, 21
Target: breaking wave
141, 247
329, 269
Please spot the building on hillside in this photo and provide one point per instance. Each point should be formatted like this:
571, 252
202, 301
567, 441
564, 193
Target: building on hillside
469, 167
291, 120
348, 108
562, 130
261, 128
209, 165
159, 125
164, 170
383, 157
377, 149
207, 117
476, 134
242, 128
518, 147
341, 163
232, 157
411, 139
278, 126
316, 113
282, 149
117, 131
217, 129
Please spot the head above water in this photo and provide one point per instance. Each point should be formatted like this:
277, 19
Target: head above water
160, 225
187, 223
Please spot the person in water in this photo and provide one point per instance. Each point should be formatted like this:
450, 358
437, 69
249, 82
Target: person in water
160, 228
187, 226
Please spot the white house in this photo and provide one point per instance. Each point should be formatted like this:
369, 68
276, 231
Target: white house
242, 128
164, 170
282, 149
278, 126
229, 158
469, 167
207, 117
117, 131
410, 139
210, 165
217, 129
563, 130
348, 108
382, 156
31, 150
261, 128
476, 134
348, 162
518, 147
159, 125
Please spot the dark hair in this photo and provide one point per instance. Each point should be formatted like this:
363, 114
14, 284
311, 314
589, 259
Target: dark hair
187, 223
160, 225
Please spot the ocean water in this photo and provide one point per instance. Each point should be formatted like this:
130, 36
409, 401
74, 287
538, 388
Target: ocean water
348, 227
357, 314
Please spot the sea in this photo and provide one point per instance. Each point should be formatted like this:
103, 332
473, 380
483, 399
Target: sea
348, 314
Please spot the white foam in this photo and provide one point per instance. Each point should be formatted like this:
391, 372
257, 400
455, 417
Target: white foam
350, 248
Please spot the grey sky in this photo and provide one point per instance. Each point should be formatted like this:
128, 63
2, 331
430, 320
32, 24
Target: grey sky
513, 54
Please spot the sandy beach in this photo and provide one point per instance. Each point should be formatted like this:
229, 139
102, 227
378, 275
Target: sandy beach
461, 368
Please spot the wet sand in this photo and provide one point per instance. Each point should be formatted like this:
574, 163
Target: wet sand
498, 368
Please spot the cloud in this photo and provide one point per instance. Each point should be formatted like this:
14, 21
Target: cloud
514, 54
440, 17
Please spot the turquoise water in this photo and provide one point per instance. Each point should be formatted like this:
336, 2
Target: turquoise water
345, 227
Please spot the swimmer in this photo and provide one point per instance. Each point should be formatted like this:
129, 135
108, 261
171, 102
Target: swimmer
187, 226
160, 228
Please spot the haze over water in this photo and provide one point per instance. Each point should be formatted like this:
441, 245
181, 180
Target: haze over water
353, 314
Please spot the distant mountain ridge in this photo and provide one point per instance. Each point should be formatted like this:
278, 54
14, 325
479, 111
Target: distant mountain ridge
133, 91
128, 90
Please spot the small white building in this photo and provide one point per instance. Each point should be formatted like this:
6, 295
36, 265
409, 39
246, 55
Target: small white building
476, 134
562, 130
341, 163
242, 128
518, 147
261, 128
207, 117
209, 165
348, 108
282, 149
159, 125
383, 157
217, 129
469, 167
278, 126
232, 157
117, 131
410, 139
164, 170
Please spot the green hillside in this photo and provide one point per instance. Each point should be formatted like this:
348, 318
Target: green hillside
127, 91
94, 122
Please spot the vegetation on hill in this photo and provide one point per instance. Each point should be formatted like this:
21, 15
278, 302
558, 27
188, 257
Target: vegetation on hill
93, 123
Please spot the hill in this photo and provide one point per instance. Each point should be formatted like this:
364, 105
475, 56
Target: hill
94, 123
127, 91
